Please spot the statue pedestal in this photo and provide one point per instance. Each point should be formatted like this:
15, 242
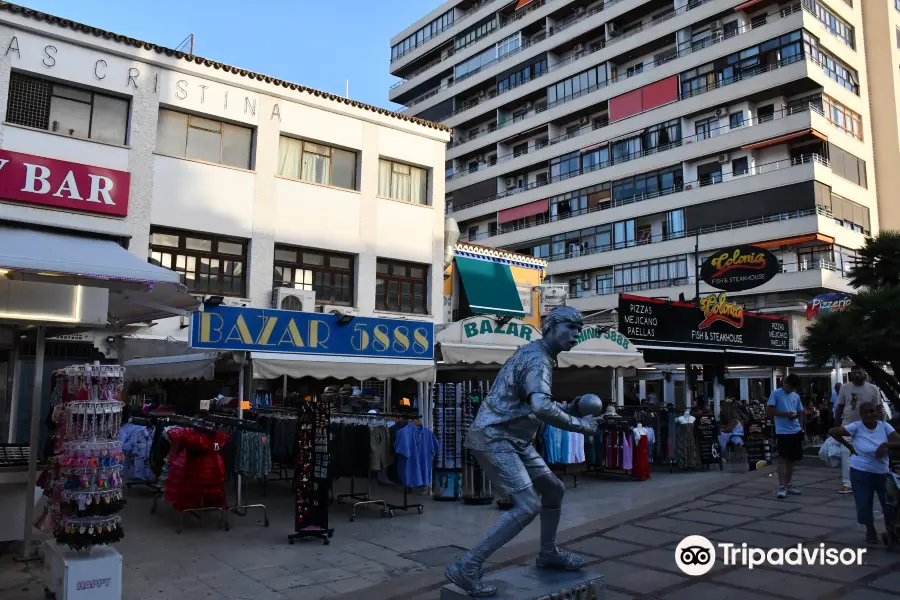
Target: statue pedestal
531, 583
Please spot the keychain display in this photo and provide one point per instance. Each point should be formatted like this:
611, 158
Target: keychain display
84, 485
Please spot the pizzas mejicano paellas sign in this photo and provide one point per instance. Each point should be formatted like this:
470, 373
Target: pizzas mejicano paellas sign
286, 331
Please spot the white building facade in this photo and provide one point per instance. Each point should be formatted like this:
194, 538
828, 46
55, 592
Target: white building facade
240, 182
614, 137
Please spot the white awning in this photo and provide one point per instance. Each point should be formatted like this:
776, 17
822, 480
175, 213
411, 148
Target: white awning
138, 290
168, 368
269, 365
453, 353
39, 251
602, 348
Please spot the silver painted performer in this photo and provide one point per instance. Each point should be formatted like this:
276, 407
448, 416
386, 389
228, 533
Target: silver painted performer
500, 439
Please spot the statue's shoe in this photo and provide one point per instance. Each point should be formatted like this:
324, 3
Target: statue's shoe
469, 581
560, 560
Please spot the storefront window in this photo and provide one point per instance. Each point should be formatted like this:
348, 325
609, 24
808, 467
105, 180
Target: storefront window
401, 287
760, 389
328, 274
207, 264
66, 110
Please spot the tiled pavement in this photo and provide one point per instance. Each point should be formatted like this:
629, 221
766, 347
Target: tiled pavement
637, 557
633, 544
252, 561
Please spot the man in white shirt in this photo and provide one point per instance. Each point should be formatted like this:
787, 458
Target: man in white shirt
852, 395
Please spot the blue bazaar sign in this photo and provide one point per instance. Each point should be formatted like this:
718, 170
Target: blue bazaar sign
270, 330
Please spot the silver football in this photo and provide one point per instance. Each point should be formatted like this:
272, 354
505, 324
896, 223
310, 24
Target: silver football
589, 404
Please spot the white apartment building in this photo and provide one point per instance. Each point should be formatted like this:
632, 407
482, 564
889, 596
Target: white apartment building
611, 137
240, 182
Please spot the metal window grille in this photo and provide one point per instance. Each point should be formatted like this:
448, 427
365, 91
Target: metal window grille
29, 101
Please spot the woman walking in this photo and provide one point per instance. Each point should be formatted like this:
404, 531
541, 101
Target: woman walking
869, 443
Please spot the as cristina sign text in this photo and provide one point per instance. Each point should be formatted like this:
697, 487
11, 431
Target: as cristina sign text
287, 331
61, 184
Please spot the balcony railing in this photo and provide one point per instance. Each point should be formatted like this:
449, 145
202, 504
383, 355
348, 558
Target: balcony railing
802, 266
517, 16
685, 49
711, 133
578, 252
456, 21
556, 29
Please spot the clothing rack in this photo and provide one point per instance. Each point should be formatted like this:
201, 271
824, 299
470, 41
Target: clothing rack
163, 419
279, 468
152, 485
616, 424
240, 509
364, 499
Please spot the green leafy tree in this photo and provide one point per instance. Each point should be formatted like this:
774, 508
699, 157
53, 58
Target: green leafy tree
868, 333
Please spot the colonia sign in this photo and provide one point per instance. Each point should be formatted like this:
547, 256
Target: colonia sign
739, 268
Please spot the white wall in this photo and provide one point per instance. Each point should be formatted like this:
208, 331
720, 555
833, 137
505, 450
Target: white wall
252, 204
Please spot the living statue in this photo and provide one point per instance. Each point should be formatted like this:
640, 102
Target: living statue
500, 439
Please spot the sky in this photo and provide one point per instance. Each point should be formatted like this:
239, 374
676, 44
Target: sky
313, 43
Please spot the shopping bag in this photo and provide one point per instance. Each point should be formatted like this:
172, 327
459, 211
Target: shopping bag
830, 453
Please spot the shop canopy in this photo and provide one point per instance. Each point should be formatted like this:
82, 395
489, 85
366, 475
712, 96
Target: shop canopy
489, 287
488, 341
169, 368
138, 290
269, 365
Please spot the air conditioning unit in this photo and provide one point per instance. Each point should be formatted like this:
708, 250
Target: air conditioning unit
343, 310
290, 299
724, 158
579, 48
510, 182
721, 111
584, 120
717, 24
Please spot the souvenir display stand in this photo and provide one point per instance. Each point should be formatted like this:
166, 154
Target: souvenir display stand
311, 482
84, 484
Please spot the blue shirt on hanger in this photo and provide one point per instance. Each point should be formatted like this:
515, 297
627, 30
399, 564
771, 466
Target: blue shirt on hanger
415, 447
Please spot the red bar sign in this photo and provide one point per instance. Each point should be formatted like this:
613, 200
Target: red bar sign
62, 184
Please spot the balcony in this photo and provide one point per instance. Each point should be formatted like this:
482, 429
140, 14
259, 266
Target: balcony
686, 49
811, 275
488, 70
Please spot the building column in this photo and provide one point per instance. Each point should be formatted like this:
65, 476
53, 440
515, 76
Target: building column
642, 389
620, 389
718, 394
774, 379
688, 392
745, 389
836, 375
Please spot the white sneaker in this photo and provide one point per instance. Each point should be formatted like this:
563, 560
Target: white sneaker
793, 491
782, 493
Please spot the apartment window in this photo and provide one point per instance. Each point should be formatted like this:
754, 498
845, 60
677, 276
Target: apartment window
897, 4
474, 64
634, 70
662, 135
831, 21
66, 110
646, 274
563, 167
736, 120
492, 228
509, 45
709, 173
740, 166
402, 182
328, 274
842, 117
846, 165
584, 82
520, 149
401, 287
188, 136
834, 68
650, 185
730, 29
208, 264
604, 284
422, 35
518, 78
473, 233
765, 113
476, 33
707, 128
316, 163
674, 225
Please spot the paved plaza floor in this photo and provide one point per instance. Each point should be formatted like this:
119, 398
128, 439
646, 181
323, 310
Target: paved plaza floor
626, 529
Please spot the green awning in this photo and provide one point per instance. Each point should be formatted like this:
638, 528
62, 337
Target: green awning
490, 287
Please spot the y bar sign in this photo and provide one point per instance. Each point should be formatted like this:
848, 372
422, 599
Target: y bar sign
61, 184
